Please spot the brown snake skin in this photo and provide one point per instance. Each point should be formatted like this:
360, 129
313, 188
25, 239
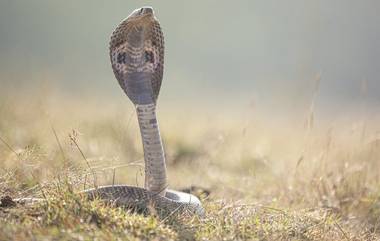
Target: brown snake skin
137, 58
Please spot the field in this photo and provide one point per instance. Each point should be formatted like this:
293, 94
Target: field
297, 177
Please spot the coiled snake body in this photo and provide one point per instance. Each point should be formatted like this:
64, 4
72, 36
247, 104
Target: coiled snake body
137, 58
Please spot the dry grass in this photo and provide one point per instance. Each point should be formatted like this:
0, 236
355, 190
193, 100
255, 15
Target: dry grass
291, 179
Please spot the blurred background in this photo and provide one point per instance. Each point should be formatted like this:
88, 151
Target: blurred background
268, 54
277, 101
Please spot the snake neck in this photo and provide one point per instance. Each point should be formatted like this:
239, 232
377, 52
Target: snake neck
155, 167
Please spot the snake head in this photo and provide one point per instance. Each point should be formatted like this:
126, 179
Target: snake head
137, 56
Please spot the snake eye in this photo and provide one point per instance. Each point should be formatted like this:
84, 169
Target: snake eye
149, 57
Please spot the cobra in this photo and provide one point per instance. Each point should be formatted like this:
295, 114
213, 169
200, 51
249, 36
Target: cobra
137, 59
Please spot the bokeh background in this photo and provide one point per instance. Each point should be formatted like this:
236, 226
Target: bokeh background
266, 103
220, 54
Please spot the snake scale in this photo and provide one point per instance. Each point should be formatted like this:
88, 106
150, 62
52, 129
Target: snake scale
137, 59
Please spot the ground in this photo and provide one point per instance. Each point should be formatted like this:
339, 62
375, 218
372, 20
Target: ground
293, 178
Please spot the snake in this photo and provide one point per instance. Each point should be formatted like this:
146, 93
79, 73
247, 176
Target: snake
137, 59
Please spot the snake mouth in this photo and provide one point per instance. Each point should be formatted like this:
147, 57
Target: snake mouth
146, 10
141, 13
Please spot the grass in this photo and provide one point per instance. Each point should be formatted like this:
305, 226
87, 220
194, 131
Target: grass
269, 179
